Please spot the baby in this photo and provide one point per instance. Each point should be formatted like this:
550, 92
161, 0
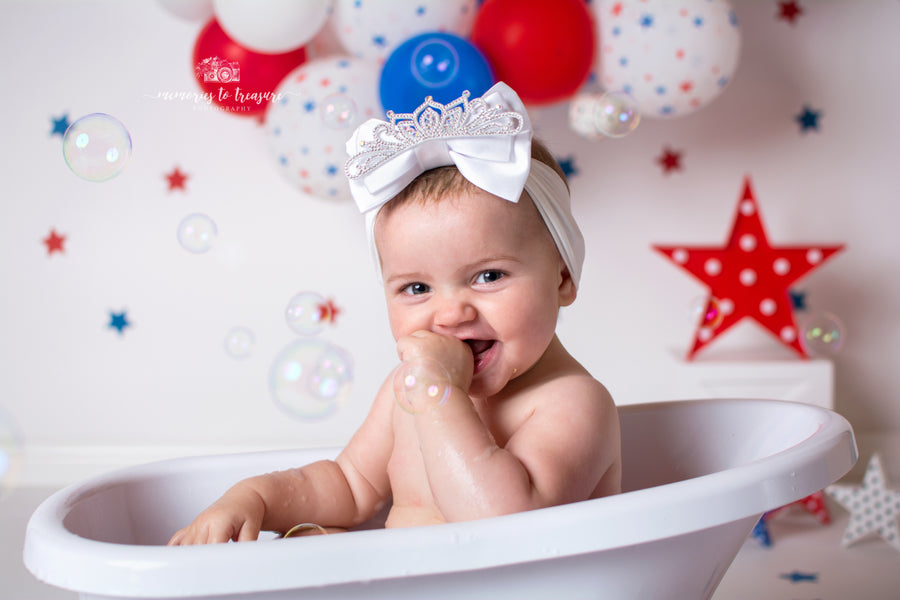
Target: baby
471, 227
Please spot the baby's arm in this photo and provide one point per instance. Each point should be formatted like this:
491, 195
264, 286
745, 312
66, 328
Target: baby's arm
340, 493
558, 455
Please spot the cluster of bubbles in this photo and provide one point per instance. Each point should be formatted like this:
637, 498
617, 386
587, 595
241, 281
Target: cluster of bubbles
823, 334
421, 385
96, 147
595, 116
310, 378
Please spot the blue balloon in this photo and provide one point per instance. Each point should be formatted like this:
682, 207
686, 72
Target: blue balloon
440, 65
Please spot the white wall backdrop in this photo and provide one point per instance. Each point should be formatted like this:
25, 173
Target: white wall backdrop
72, 383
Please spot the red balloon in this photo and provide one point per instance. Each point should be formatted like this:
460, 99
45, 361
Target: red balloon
543, 50
237, 79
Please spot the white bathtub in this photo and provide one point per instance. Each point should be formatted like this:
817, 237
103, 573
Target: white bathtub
697, 477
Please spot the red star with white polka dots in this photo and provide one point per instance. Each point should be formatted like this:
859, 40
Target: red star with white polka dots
748, 277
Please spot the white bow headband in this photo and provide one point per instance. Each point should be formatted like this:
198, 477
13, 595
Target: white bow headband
489, 141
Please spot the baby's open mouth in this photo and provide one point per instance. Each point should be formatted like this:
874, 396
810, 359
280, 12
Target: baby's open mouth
480, 347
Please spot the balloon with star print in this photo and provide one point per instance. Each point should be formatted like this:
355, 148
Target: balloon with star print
372, 29
672, 56
318, 106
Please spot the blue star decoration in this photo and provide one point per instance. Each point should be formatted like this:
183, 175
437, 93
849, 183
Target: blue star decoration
568, 166
761, 532
798, 299
118, 321
808, 119
797, 577
60, 125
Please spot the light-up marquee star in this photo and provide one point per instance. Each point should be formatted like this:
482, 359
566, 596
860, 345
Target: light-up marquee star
748, 277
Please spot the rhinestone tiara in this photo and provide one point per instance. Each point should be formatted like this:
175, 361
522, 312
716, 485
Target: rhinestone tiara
431, 120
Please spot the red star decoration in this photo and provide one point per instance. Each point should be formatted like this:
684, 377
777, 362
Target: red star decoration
176, 179
54, 242
748, 277
670, 160
789, 11
327, 311
814, 504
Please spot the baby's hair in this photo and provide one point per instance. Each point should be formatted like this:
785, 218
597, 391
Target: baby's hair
436, 184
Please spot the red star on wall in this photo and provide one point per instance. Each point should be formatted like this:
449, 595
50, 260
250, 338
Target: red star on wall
789, 11
176, 179
669, 160
54, 242
748, 277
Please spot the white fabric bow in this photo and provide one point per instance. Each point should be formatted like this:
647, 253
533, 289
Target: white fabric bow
488, 139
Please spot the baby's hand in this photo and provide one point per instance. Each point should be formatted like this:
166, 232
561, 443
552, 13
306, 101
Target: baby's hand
453, 354
235, 516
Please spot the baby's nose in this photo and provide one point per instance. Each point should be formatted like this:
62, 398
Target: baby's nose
454, 311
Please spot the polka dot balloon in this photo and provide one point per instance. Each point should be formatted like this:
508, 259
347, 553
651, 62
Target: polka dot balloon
374, 29
319, 105
671, 57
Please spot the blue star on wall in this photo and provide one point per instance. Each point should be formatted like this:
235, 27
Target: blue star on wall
568, 166
797, 576
118, 321
808, 119
60, 125
798, 299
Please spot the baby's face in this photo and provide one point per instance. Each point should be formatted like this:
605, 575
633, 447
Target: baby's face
480, 269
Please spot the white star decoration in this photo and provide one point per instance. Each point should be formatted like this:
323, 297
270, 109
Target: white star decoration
873, 508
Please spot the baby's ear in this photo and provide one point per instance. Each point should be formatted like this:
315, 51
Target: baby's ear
567, 289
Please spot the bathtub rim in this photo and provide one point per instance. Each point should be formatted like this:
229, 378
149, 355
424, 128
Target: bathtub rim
58, 557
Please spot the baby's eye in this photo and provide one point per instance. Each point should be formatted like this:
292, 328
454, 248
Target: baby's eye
489, 277
414, 289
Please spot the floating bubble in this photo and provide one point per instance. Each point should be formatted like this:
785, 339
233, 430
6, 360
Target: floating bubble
239, 342
310, 378
196, 233
617, 114
581, 116
306, 313
706, 312
338, 111
435, 63
823, 334
96, 147
10, 454
420, 385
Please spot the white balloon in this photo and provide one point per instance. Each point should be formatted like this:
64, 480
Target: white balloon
190, 10
316, 108
671, 57
272, 26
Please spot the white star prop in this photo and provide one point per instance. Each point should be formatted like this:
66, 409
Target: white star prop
873, 508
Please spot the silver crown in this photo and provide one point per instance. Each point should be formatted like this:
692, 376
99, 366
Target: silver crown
431, 120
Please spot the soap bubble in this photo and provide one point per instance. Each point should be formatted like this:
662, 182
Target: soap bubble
239, 342
10, 453
306, 313
823, 334
613, 114
616, 114
196, 233
310, 378
421, 384
706, 312
435, 63
96, 147
338, 111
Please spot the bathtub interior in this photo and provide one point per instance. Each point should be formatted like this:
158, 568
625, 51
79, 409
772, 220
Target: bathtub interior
661, 444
